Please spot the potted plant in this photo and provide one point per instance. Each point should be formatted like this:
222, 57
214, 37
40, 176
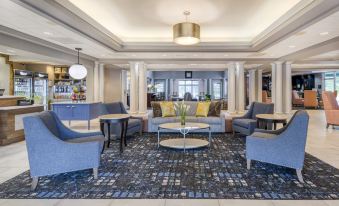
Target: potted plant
182, 109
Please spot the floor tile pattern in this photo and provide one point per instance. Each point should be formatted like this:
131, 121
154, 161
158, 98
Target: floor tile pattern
218, 172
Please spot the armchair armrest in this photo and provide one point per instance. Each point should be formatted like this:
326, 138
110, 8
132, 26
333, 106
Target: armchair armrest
276, 132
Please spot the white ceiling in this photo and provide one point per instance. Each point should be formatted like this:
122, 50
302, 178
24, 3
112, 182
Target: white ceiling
21, 19
233, 20
152, 20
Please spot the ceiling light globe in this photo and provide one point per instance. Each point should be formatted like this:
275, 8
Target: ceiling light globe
77, 71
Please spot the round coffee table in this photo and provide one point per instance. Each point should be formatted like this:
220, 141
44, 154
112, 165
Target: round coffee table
184, 143
267, 119
111, 119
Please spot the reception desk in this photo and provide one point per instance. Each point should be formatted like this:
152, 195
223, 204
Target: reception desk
11, 125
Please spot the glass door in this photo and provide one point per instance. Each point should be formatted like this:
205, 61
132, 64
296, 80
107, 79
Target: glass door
40, 88
23, 84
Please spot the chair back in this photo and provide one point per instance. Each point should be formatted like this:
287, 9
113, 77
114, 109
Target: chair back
260, 108
113, 108
265, 97
330, 102
49, 120
310, 98
188, 96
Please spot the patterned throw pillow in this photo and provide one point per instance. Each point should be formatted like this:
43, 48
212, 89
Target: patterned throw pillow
215, 109
202, 109
156, 109
167, 109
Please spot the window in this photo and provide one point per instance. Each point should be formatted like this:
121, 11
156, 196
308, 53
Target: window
191, 86
159, 86
216, 89
329, 81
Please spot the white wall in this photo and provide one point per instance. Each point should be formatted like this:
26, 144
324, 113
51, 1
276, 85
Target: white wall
112, 85
4, 75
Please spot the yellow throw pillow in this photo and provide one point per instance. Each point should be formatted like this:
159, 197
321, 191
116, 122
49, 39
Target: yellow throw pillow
202, 109
167, 109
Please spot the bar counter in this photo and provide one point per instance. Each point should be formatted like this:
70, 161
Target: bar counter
11, 125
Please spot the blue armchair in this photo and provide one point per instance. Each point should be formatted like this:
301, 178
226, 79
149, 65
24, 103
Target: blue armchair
134, 123
284, 147
247, 123
53, 148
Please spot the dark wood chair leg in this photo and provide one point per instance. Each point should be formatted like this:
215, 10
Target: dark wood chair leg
125, 133
109, 134
122, 136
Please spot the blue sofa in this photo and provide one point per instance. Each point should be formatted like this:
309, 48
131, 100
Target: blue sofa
284, 147
247, 123
53, 148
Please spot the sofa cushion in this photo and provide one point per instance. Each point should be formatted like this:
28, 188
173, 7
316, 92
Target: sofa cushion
263, 135
244, 122
161, 120
156, 109
215, 109
202, 109
192, 108
99, 138
167, 109
207, 120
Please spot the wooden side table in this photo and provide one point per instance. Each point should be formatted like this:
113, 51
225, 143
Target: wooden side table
264, 120
109, 119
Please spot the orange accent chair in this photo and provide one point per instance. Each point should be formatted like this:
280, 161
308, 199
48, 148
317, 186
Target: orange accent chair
265, 97
310, 99
331, 108
296, 99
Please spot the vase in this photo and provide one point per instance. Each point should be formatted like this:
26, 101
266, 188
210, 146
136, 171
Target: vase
183, 120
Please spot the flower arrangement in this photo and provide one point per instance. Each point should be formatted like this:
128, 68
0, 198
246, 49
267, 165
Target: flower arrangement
182, 109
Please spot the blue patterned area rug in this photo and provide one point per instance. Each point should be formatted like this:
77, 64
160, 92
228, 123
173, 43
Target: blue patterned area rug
220, 172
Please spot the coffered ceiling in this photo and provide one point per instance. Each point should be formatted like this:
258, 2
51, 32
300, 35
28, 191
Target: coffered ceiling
118, 31
152, 20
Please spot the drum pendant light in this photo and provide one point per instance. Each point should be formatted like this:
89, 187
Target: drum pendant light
186, 33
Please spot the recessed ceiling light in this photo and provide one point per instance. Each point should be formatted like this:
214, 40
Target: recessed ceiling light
291, 46
48, 33
195, 55
164, 55
225, 55
324, 33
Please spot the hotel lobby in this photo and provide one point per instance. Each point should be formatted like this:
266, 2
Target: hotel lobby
169, 102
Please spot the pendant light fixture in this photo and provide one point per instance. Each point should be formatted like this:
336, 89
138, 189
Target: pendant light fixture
186, 33
78, 71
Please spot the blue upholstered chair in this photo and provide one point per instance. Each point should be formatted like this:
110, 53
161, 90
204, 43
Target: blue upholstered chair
284, 147
53, 148
247, 123
134, 123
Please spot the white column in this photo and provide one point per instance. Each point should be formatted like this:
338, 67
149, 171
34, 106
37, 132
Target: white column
225, 85
134, 67
96, 89
288, 87
259, 85
278, 88
240, 83
124, 87
142, 88
273, 84
101, 82
251, 85
210, 87
231, 101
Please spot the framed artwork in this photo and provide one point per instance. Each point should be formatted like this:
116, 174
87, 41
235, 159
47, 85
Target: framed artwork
188, 75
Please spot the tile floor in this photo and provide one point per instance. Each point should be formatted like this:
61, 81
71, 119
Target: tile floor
322, 143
